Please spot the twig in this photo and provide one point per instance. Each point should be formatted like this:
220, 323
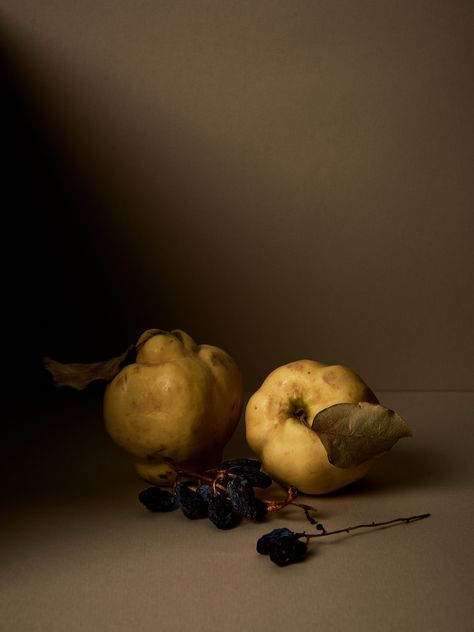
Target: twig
364, 526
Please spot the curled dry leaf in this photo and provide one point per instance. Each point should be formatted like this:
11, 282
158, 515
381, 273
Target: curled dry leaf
354, 433
79, 375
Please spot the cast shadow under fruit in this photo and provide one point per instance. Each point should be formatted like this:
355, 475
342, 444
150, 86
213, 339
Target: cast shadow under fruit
400, 469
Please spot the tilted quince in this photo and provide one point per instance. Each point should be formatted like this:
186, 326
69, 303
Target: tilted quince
174, 407
178, 404
278, 420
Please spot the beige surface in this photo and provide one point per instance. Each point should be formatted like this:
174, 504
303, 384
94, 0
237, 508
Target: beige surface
79, 553
284, 179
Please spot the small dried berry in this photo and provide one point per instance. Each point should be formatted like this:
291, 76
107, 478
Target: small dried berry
259, 509
240, 462
190, 502
222, 479
265, 541
254, 477
157, 499
205, 491
287, 550
241, 496
221, 512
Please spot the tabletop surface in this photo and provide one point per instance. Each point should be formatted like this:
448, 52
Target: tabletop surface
79, 552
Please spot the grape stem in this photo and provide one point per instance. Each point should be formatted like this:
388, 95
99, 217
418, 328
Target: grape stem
200, 477
276, 505
323, 533
272, 505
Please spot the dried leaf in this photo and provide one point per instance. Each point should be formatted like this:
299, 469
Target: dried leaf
354, 433
79, 375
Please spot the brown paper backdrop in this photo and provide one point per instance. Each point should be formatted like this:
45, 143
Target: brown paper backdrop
283, 179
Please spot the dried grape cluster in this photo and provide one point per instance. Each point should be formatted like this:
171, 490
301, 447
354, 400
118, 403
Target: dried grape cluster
226, 495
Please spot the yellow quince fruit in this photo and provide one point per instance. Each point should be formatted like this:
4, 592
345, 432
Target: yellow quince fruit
278, 424
178, 404
175, 406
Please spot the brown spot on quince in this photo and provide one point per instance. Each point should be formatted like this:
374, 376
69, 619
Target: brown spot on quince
297, 366
331, 378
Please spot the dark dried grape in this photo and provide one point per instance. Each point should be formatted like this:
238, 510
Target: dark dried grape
243, 500
190, 502
265, 541
259, 509
157, 499
223, 479
240, 462
205, 491
221, 512
287, 550
254, 477
241, 496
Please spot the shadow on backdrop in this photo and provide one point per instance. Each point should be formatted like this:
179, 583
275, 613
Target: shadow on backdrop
75, 289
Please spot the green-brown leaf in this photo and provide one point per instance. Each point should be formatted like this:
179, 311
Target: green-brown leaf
354, 433
79, 375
